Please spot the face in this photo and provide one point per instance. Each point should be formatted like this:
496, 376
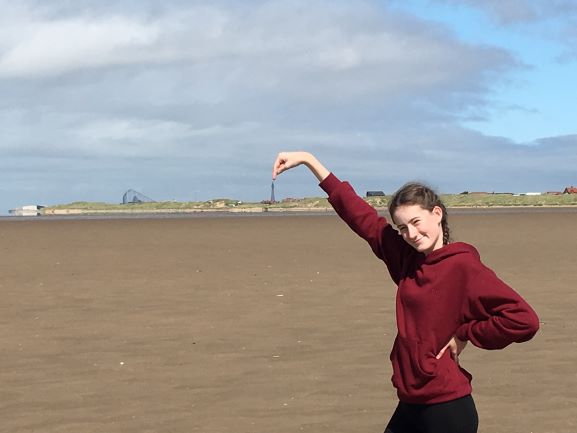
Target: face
420, 227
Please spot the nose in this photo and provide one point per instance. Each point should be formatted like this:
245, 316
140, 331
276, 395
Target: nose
412, 232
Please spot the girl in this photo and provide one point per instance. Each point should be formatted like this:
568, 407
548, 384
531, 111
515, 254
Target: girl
445, 298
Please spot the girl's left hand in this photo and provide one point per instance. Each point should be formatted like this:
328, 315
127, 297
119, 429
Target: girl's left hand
456, 346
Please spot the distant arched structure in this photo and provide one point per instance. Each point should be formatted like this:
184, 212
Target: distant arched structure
132, 196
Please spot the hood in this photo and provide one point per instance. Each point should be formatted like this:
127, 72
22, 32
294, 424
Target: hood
450, 250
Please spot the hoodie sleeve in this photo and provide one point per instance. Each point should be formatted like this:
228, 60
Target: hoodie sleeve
364, 220
496, 315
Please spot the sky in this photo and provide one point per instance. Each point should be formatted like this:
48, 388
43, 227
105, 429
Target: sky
192, 100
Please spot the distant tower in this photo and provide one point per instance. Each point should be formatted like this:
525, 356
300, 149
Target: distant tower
272, 200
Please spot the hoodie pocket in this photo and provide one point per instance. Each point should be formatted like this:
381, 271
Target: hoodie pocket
414, 364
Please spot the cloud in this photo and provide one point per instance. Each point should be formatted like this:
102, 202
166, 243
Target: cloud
43, 45
56, 47
201, 67
258, 61
520, 11
552, 19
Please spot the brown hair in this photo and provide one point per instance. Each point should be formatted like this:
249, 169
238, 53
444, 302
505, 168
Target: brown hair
417, 193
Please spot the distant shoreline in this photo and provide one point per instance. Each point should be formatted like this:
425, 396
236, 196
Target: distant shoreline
79, 214
308, 205
259, 210
61, 212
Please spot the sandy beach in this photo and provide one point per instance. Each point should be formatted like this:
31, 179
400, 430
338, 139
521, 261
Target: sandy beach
256, 324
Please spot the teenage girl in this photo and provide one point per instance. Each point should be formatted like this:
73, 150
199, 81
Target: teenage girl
446, 297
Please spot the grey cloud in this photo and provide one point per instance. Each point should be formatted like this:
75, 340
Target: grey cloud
261, 75
458, 159
521, 11
524, 15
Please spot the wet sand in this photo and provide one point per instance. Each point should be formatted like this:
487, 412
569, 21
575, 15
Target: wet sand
266, 324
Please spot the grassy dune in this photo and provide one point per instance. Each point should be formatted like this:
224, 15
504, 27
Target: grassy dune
451, 200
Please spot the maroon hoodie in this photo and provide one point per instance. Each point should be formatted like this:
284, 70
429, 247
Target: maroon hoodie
445, 293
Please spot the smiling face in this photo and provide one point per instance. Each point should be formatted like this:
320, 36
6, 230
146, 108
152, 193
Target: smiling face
420, 227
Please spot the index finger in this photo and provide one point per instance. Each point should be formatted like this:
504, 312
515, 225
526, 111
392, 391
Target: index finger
442, 352
276, 166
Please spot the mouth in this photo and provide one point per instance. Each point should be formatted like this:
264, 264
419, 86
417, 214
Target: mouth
420, 243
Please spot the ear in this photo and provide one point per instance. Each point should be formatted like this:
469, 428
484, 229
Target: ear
438, 212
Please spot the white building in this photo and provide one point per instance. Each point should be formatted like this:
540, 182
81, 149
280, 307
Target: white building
28, 210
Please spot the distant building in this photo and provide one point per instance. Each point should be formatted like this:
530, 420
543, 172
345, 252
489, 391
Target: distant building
375, 194
570, 190
28, 210
133, 197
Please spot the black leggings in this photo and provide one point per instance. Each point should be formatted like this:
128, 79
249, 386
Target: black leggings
456, 416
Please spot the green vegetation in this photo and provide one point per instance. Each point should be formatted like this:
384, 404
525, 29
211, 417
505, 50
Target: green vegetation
495, 200
84, 205
451, 200
488, 200
153, 206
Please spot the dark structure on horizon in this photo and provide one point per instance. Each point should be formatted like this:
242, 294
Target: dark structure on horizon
132, 196
375, 194
272, 200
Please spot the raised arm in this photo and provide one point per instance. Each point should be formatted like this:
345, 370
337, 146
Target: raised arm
287, 160
360, 216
